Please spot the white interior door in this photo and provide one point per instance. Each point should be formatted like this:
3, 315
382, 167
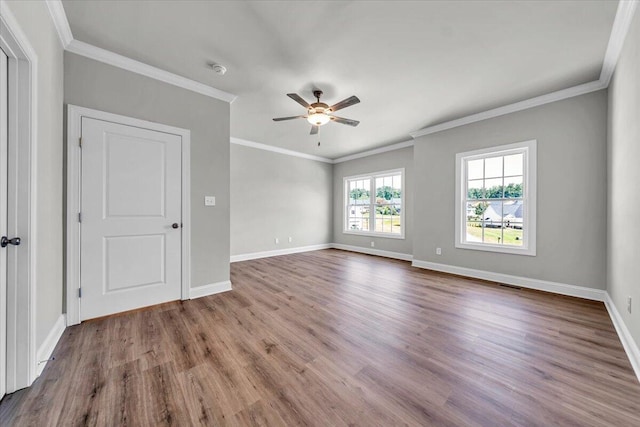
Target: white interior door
4, 132
130, 218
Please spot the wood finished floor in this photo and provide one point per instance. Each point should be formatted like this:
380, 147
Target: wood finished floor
333, 338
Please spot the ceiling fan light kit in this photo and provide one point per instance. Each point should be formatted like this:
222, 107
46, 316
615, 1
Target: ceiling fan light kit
319, 113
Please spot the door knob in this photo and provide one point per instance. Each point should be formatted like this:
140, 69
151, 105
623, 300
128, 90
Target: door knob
175, 225
4, 241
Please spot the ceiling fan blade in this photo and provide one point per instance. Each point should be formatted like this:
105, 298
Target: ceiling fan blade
314, 130
299, 99
345, 103
279, 119
349, 122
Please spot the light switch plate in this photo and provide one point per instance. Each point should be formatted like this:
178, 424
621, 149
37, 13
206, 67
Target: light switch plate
209, 200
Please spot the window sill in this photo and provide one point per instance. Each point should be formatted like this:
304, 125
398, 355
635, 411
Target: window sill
374, 234
497, 248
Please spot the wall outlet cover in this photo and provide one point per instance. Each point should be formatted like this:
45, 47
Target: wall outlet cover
209, 200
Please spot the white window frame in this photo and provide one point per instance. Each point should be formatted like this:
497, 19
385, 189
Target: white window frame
372, 177
529, 149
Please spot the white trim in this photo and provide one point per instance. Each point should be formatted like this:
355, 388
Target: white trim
23, 134
371, 251
621, 24
116, 60
375, 234
393, 147
525, 282
211, 289
74, 131
630, 346
46, 348
529, 149
260, 146
59, 17
186, 213
372, 177
512, 108
278, 252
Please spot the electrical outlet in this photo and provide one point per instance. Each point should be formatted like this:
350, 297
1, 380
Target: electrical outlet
290, 239
209, 200
438, 251
277, 240
629, 304
373, 244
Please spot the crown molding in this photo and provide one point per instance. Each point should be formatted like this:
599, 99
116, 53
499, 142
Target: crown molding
621, 24
278, 150
368, 153
116, 60
512, 108
59, 17
56, 10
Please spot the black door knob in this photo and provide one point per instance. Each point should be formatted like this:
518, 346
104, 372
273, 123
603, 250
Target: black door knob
4, 241
175, 225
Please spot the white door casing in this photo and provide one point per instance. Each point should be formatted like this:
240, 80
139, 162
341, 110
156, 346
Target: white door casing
131, 218
4, 134
21, 201
130, 181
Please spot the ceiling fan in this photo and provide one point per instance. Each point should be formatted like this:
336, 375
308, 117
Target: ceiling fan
320, 113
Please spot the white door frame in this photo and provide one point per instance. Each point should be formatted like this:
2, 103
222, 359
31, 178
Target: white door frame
74, 131
21, 260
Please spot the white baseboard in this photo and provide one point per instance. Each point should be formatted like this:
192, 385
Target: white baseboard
372, 251
210, 289
630, 346
277, 252
46, 349
525, 282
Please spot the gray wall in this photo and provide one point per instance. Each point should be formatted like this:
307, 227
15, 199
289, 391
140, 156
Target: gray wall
276, 195
92, 84
396, 159
571, 208
35, 21
623, 204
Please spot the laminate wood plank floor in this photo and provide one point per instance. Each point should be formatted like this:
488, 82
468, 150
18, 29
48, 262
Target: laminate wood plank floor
334, 338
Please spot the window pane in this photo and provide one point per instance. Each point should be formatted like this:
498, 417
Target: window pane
475, 169
358, 217
475, 189
492, 233
492, 214
388, 189
474, 231
513, 187
359, 191
493, 167
476, 210
493, 188
512, 236
513, 214
513, 164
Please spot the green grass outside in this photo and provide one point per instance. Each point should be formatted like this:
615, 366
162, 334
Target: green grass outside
511, 236
389, 222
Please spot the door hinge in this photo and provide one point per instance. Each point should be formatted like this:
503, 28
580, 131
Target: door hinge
80, 142
79, 292
79, 217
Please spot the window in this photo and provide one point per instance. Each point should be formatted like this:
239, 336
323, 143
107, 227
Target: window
496, 199
374, 204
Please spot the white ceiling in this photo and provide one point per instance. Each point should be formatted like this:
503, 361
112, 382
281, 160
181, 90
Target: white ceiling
412, 64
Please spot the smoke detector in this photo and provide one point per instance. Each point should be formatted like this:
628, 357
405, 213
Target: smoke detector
219, 69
